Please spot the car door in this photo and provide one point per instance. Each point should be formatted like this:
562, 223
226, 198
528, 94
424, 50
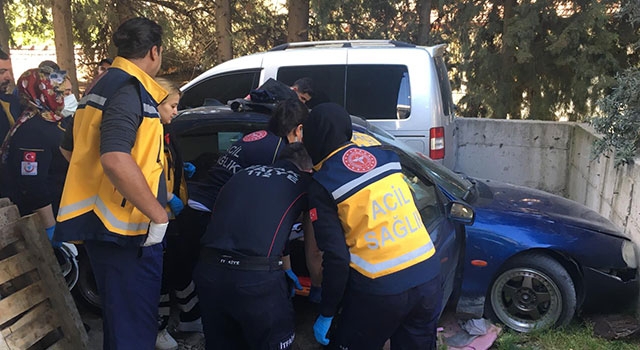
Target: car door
444, 234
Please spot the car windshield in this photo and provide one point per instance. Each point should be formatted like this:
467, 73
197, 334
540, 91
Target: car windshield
455, 185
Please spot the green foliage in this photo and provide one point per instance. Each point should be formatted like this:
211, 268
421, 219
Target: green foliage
363, 19
619, 119
548, 59
33, 26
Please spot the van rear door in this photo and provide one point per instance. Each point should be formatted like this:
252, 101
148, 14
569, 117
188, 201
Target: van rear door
402, 94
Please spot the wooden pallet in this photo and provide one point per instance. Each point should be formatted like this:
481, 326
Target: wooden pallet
36, 307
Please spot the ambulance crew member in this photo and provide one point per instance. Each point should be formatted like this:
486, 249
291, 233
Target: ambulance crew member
374, 242
258, 148
243, 290
33, 170
115, 193
176, 200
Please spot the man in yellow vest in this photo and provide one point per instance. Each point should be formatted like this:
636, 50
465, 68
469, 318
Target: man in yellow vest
115, 192
378, 259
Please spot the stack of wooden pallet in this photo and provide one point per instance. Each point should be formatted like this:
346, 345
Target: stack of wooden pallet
36, 307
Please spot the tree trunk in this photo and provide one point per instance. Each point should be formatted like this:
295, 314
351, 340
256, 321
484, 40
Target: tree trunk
505, 82
424, 19
5, 36
298, 18
65, 53
223, 30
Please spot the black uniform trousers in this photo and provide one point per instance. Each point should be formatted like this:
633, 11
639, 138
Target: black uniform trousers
409, 319
244, 309
183, 247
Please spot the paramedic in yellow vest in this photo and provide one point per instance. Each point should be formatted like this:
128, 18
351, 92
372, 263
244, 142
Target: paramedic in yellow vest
378, 259
10, 108
115, 192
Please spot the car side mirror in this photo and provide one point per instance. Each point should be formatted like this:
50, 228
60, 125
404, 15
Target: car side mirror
460, 212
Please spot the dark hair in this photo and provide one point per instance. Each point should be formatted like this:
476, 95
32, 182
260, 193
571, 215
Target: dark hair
297, 154
287, 116
305, 85
50, 64
3, 55
109, 61
136, 36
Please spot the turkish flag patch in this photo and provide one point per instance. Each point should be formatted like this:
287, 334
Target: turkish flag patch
313, 214
29, 156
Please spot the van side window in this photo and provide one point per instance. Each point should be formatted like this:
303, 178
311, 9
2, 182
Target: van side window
377, 91
222, 88
369, 91
445, 86
328, 81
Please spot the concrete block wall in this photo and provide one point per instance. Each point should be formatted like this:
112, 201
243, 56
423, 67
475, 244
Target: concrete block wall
598, 184
552, 156
522, 152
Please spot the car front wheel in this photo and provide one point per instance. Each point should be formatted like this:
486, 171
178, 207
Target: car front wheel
86, 290
532, 292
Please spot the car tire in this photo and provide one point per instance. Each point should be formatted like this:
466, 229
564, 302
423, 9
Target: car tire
86, 290
532, 292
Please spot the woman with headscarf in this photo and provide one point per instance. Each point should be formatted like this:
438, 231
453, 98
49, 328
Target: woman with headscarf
33, 169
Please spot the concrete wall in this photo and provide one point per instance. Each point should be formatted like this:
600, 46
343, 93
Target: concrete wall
552, 156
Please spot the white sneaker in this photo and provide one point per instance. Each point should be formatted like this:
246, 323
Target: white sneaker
188, 327
164, 341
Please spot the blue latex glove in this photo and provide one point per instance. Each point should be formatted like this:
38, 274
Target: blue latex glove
321, 328
296, 283
315, 294
176, 205
50, 231
189, 169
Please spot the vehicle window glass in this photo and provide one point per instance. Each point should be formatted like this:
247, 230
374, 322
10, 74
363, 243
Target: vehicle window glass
328, 81
404, 97
202, 145
445, 86
221, 88
373, 91
226, 139
424, 194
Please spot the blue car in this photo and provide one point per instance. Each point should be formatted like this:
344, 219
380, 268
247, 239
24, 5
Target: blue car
523, 257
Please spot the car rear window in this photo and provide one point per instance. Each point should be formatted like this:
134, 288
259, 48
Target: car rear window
221, 88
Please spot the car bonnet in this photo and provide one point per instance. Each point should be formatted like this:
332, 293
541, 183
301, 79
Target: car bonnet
500, 196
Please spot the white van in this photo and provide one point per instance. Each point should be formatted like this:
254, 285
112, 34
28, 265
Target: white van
400, 87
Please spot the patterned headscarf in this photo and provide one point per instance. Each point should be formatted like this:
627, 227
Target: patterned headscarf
39, 91
40, 94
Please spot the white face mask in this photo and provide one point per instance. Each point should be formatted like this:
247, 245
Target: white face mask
70, 105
